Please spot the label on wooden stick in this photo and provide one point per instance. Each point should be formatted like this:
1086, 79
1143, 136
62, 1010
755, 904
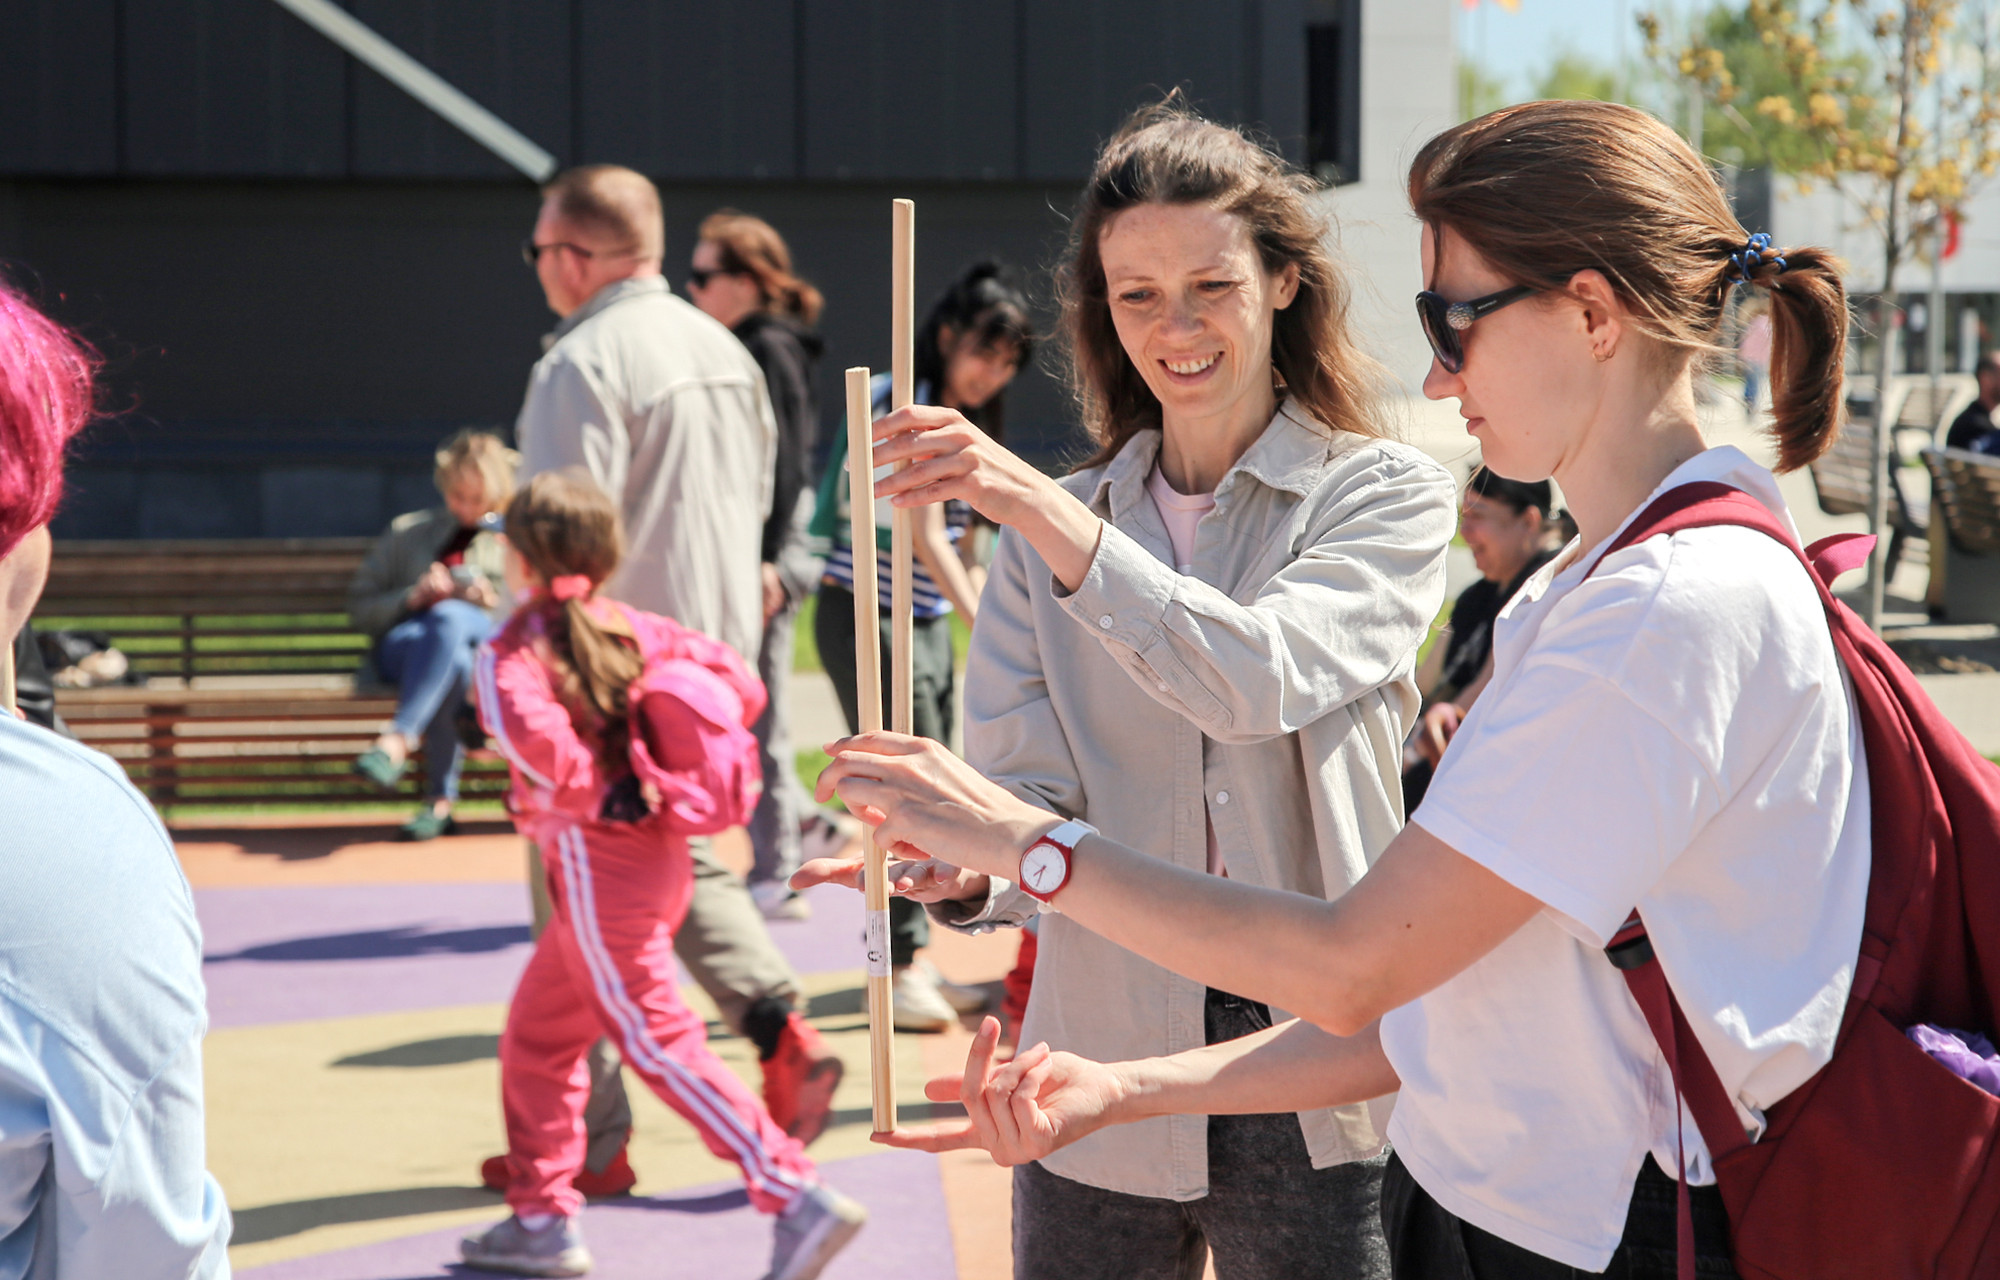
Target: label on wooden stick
878, 944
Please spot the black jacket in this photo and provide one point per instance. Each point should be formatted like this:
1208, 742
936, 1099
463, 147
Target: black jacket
787, 351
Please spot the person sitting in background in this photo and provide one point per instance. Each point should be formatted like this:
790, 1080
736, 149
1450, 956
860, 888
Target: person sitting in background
426, 595
102, 1009
1505, 523
741, 274
1973, 429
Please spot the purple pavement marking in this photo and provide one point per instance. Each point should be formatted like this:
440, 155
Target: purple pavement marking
708, 1231
328, 951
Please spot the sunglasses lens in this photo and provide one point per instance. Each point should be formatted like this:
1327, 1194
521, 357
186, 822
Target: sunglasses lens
1443, 338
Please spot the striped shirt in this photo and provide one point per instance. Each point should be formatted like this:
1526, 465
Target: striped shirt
926, 600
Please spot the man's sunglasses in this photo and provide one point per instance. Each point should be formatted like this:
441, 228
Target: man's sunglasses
1444, 321
531, 253
699, 278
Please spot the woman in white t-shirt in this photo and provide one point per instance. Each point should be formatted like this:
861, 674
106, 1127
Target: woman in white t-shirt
1202, 642
1669, 729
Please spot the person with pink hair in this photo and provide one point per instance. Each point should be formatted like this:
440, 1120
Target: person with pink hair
102, 1008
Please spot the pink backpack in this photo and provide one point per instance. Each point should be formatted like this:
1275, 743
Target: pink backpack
1885, 1164
692, 711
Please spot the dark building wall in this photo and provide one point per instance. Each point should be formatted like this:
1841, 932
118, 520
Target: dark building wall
820, 89
301, 278
282, 358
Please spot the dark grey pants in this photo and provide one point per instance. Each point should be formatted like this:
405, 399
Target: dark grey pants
1268, 1214
1429, 1242
932, 710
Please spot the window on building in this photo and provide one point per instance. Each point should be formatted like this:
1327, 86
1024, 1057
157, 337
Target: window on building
1333, 90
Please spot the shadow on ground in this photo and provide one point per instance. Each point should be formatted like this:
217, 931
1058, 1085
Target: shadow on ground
384, 944
442, 1051
276, 1221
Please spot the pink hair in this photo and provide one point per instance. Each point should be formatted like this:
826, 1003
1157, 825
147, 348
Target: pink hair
46, 397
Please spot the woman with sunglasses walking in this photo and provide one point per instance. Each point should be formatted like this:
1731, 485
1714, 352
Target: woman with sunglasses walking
1668, 728
1202, 644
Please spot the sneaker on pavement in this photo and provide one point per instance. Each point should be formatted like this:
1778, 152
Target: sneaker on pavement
779, 901
826, 836
807, 1235
556, 1250
799, 1080
919, 1007
962, 999
616, 1179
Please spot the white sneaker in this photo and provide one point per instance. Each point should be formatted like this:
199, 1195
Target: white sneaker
806, 1236
827, 835
961, 998
509, 1246
919, 1006
777, 900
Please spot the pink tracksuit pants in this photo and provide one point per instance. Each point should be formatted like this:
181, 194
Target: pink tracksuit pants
605, 966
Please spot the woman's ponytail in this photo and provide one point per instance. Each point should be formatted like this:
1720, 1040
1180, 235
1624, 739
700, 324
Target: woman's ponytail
1808, 351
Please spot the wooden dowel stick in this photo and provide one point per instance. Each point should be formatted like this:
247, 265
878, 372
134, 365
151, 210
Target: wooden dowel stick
868, 690
902, 390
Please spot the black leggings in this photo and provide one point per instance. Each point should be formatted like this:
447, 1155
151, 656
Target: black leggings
1427, 1242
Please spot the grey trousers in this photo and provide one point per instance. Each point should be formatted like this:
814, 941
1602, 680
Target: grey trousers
724, 944
1268, 1214
774, 827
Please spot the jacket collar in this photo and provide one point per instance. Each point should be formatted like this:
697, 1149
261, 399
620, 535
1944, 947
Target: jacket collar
609, 296
1289, 456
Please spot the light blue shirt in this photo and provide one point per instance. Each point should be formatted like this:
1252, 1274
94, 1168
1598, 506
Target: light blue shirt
102, 1011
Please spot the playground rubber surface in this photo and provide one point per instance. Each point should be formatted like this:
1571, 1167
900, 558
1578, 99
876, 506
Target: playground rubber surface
357, 988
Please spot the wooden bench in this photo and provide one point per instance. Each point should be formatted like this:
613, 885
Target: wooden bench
1842, 475
1967, 486
254, 688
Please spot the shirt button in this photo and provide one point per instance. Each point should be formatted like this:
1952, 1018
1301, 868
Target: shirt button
1222, 797
1104, 621
1163, 686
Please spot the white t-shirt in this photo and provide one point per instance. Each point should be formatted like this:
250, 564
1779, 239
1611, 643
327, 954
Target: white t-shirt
1182, 514
1674, 734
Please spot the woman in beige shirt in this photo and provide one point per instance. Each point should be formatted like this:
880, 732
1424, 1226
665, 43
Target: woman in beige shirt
1243, 713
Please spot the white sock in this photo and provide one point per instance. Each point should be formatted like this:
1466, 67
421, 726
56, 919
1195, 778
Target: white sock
537, 1221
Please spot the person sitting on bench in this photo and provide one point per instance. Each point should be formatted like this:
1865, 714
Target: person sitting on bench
427, 595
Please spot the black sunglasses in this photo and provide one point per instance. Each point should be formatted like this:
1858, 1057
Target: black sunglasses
699, 277
1444, 320
531, 253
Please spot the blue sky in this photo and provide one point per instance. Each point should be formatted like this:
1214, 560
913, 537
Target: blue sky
1515, 47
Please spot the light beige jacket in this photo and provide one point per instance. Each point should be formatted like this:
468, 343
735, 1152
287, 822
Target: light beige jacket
669, 412
1272, 689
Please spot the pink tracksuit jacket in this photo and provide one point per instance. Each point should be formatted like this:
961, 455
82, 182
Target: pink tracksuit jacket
605, 964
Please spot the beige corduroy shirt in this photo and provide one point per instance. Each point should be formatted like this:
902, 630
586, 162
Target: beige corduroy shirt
1269, 690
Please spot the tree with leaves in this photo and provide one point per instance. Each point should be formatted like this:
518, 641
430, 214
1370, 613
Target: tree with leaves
1883, 100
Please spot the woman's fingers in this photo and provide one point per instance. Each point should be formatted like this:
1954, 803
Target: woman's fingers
955, 1135
846, 872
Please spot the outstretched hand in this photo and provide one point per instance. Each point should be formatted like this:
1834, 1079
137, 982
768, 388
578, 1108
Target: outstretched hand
922, 881
1020, 1110
925, 803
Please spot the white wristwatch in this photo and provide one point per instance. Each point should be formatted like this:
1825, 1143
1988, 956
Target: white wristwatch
1045, 866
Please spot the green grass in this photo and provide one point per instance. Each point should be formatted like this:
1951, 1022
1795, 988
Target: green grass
1436, 629
810, 762
805, 646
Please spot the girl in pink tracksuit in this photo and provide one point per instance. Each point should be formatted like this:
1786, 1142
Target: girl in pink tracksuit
625, 734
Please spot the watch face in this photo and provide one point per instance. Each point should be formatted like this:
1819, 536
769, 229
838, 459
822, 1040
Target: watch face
1042, 868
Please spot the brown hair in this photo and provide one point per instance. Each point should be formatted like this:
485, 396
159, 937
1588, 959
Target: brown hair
1544, 190
753, 247
1166, 154
483, 454
561, 523
620, 204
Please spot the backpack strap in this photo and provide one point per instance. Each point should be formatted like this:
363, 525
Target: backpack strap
1696, 506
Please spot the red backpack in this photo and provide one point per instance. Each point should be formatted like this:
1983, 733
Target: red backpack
1884, 1164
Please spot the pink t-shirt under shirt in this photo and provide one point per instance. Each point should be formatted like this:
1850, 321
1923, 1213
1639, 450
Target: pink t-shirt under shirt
1182, 513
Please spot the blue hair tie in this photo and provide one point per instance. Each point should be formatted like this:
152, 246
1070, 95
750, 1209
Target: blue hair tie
1752, 257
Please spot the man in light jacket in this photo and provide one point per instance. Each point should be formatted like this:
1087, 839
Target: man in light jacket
668, 411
